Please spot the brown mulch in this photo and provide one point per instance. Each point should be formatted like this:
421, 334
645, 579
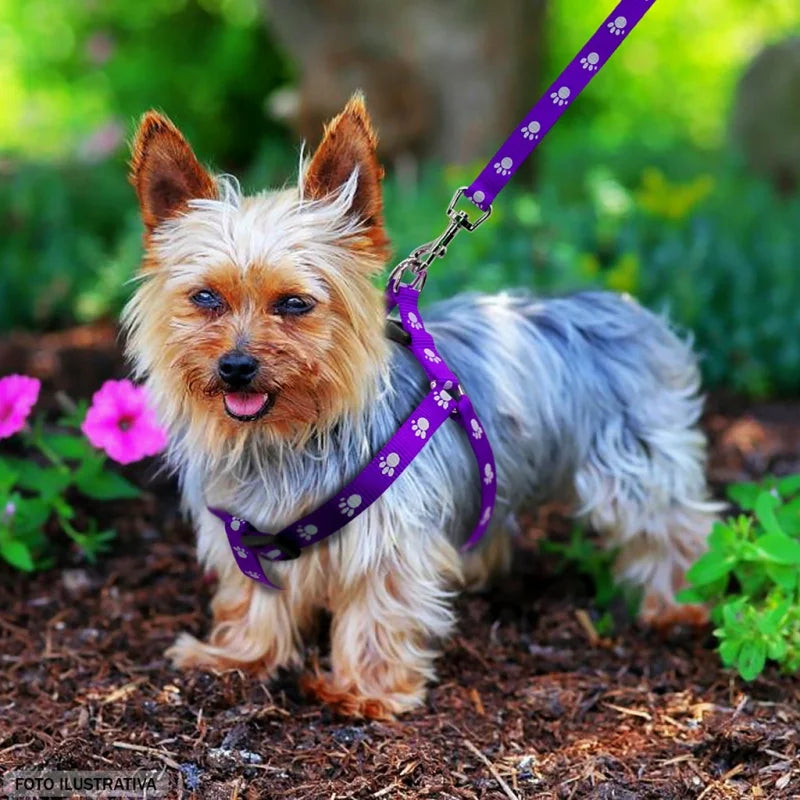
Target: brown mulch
530, 702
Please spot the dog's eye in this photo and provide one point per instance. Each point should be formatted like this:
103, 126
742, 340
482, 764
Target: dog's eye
208, 300
292, 305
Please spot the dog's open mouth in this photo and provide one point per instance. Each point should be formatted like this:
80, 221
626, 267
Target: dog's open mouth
247, 406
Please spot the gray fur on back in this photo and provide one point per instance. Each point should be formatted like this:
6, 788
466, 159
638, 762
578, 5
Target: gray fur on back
556, 383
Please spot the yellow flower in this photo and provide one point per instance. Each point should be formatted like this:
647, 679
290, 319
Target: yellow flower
624, 275
672, 201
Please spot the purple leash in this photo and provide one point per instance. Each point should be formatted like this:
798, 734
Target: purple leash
446, 397
541, 118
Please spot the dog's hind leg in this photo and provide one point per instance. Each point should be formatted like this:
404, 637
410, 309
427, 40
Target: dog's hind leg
648, 496
490, 561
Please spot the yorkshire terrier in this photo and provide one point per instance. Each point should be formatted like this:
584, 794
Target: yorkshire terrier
259, 330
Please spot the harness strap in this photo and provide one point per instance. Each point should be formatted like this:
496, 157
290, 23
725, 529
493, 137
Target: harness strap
445, 399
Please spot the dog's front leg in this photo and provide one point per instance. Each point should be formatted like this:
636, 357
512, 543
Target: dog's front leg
254, 628
386, 622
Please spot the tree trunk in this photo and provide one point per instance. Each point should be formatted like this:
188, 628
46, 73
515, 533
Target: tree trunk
444, 79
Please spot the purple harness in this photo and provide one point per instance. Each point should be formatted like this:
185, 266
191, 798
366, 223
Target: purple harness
446, 397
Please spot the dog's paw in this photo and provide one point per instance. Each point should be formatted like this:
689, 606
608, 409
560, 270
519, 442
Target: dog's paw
190, 653
662, 616
187, 652
351, 703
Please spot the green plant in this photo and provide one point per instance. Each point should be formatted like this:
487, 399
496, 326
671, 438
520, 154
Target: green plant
582, 554
750, 577
34, 491
38, 483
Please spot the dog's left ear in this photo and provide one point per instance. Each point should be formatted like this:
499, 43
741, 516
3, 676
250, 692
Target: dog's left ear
164, 171
350, 143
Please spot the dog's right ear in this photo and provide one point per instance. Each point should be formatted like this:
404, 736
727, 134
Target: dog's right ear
164, 171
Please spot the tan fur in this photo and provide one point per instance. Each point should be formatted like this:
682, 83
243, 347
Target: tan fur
349, 142
165, 171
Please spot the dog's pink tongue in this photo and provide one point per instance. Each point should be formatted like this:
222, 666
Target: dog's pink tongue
245, 405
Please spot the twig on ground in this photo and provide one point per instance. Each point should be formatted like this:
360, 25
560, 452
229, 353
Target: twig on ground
159, 754
495, 774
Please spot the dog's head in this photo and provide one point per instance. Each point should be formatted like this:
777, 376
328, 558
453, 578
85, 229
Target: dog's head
258, 313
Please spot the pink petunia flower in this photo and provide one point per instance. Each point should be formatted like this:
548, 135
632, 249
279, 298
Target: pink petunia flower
18, 395
120, 422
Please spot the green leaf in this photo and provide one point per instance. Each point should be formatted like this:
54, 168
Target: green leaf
779, 548
75, 418
68, 446
777, 649
722, 538
17, 554
732, 617
32, 514
8, 477
783, 575
765, 506
46, 481
789, 485
62, 508
788, 516
776, 615
710, 567
690, 596
106, 485
751, 658
729, 651
744, 494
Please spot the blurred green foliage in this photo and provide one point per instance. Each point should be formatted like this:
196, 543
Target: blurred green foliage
711, 246
76, 73
637, 190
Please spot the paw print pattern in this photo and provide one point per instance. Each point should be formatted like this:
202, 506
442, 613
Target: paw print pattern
531, 130
420, 427
503, 167
307, 532
431, 356
477, 431
486, 516
478, 196
617, 26
253, 574
389, 463
488, 474
236, 523
413, 321
561, 97
348, 505
443, 399
590, 62
241, 552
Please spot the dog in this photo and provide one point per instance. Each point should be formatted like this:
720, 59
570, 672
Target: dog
258, 329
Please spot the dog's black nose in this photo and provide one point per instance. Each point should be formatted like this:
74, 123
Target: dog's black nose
237, 369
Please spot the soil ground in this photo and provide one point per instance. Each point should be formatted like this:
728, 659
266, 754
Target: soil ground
530, 703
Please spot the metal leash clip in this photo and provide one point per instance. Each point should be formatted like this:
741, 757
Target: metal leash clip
421, 258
